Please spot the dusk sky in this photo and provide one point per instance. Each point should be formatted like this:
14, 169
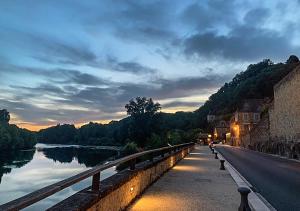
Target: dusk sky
71, 61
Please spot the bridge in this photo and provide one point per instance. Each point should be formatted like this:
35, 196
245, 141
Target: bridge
181, 177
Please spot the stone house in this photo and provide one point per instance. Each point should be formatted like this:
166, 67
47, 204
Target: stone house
244, 119
221, 128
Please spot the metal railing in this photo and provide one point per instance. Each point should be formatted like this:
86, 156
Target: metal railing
94, 172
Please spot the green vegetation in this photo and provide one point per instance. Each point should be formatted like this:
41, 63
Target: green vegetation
144, 128
12, 137
256, 82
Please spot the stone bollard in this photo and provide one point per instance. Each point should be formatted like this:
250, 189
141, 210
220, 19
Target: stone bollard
222, 167
216, 155
244, 206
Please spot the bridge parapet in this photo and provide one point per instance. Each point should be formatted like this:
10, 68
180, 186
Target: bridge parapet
115, 192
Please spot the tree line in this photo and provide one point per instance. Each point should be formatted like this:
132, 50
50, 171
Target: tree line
144, 128
13, 137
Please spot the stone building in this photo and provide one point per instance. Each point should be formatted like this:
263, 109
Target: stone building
259, 134
285, 111
244, 119
279, 132
221, 128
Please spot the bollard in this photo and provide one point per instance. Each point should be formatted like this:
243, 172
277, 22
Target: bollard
222, 167
216, 155
244, 206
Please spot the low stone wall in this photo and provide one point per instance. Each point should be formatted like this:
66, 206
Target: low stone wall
119, 190
283, 148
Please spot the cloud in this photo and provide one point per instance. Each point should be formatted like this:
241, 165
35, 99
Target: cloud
210, 15
256, 16
113, 64
175, 104
50, 103
81, 66
244, 43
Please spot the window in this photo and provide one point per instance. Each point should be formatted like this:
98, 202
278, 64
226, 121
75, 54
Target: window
246, 117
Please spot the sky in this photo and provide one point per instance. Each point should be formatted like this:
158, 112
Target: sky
74, 61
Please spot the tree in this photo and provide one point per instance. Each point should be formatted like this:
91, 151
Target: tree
292, 59
144, 119
141, 106
4, 116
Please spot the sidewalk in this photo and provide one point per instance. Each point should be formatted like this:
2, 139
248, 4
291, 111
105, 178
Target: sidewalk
195, 183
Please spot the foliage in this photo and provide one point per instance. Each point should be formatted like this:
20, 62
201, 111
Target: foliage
129, 148
142, 106
256, 82
12, 137
59, 134
156, 141
4, 116
144, 119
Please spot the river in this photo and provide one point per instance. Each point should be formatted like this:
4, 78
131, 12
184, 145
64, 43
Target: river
22, 172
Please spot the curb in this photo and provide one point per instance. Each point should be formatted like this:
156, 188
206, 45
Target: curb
257, 202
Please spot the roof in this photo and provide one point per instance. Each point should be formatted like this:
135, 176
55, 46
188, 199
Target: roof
252, 105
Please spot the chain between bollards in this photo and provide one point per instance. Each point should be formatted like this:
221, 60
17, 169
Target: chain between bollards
244, 206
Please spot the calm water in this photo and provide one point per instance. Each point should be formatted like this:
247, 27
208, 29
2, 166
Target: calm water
22, 172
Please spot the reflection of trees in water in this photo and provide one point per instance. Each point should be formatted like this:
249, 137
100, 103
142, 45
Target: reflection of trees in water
87, 156
14, 159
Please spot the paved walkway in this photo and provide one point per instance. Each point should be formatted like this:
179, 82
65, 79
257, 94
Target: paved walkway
195, 183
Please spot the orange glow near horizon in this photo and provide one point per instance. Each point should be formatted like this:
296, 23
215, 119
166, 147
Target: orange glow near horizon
34, 127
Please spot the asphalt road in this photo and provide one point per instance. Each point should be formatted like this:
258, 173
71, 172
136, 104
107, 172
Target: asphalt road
275, 178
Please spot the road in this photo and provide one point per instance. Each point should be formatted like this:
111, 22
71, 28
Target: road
275, 178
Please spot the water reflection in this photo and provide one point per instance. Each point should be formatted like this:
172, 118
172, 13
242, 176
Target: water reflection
23, 172
87, 156
14, 159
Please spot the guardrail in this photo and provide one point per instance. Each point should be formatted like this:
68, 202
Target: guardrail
47, 191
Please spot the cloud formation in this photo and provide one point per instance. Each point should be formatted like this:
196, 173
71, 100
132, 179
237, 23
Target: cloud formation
89, 58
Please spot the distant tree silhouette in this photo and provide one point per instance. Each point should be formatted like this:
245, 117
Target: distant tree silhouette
4, 116
144, 119
142, 106
12, 137
292, 59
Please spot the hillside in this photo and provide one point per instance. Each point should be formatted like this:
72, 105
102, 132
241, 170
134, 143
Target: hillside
256, 82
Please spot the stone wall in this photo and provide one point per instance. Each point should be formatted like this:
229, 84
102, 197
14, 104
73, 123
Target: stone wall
119, 190
260, 133
285, 111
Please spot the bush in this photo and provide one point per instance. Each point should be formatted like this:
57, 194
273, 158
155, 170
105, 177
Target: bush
129, 148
